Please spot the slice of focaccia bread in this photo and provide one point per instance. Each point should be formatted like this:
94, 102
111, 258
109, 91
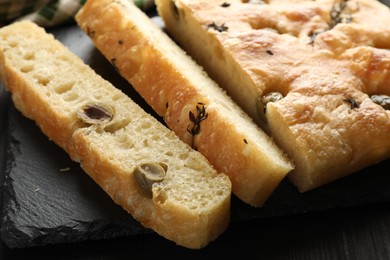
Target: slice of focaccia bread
303, 70
192, 105
161, 181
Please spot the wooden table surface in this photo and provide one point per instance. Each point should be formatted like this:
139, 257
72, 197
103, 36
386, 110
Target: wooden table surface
348, 233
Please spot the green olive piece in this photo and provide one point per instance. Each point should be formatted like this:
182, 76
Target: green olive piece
272, 97
95, 113
262, 102
382, 100
147, 174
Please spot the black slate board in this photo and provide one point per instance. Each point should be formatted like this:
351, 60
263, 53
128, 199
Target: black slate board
42, 204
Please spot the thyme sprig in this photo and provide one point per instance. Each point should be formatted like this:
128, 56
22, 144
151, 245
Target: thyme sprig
337, 15
201, 115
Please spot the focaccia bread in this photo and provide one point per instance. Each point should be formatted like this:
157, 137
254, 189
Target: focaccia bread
191, 104
141, 164
311, 73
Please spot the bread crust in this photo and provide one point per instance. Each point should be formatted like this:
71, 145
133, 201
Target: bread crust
171, 220
175, 86
190, 206
293, 48
35, 105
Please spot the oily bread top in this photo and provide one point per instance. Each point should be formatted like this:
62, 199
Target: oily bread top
242, 34
325, 73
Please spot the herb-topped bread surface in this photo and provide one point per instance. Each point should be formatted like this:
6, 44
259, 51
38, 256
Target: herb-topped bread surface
191, 104
313, 74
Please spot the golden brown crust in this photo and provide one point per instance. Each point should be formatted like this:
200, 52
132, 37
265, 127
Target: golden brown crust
161, 75
312, 57
336, 137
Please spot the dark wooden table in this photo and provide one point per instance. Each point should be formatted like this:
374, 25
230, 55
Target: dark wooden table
361, 232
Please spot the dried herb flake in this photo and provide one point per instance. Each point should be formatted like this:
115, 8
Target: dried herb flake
90, 33
353, 102
219, 28
113, 63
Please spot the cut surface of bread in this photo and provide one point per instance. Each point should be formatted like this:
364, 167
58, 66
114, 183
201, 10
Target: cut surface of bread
141, 164
309, 72
192, 105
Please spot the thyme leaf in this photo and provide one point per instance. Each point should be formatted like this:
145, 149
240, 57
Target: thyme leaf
219, 28
353, 102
